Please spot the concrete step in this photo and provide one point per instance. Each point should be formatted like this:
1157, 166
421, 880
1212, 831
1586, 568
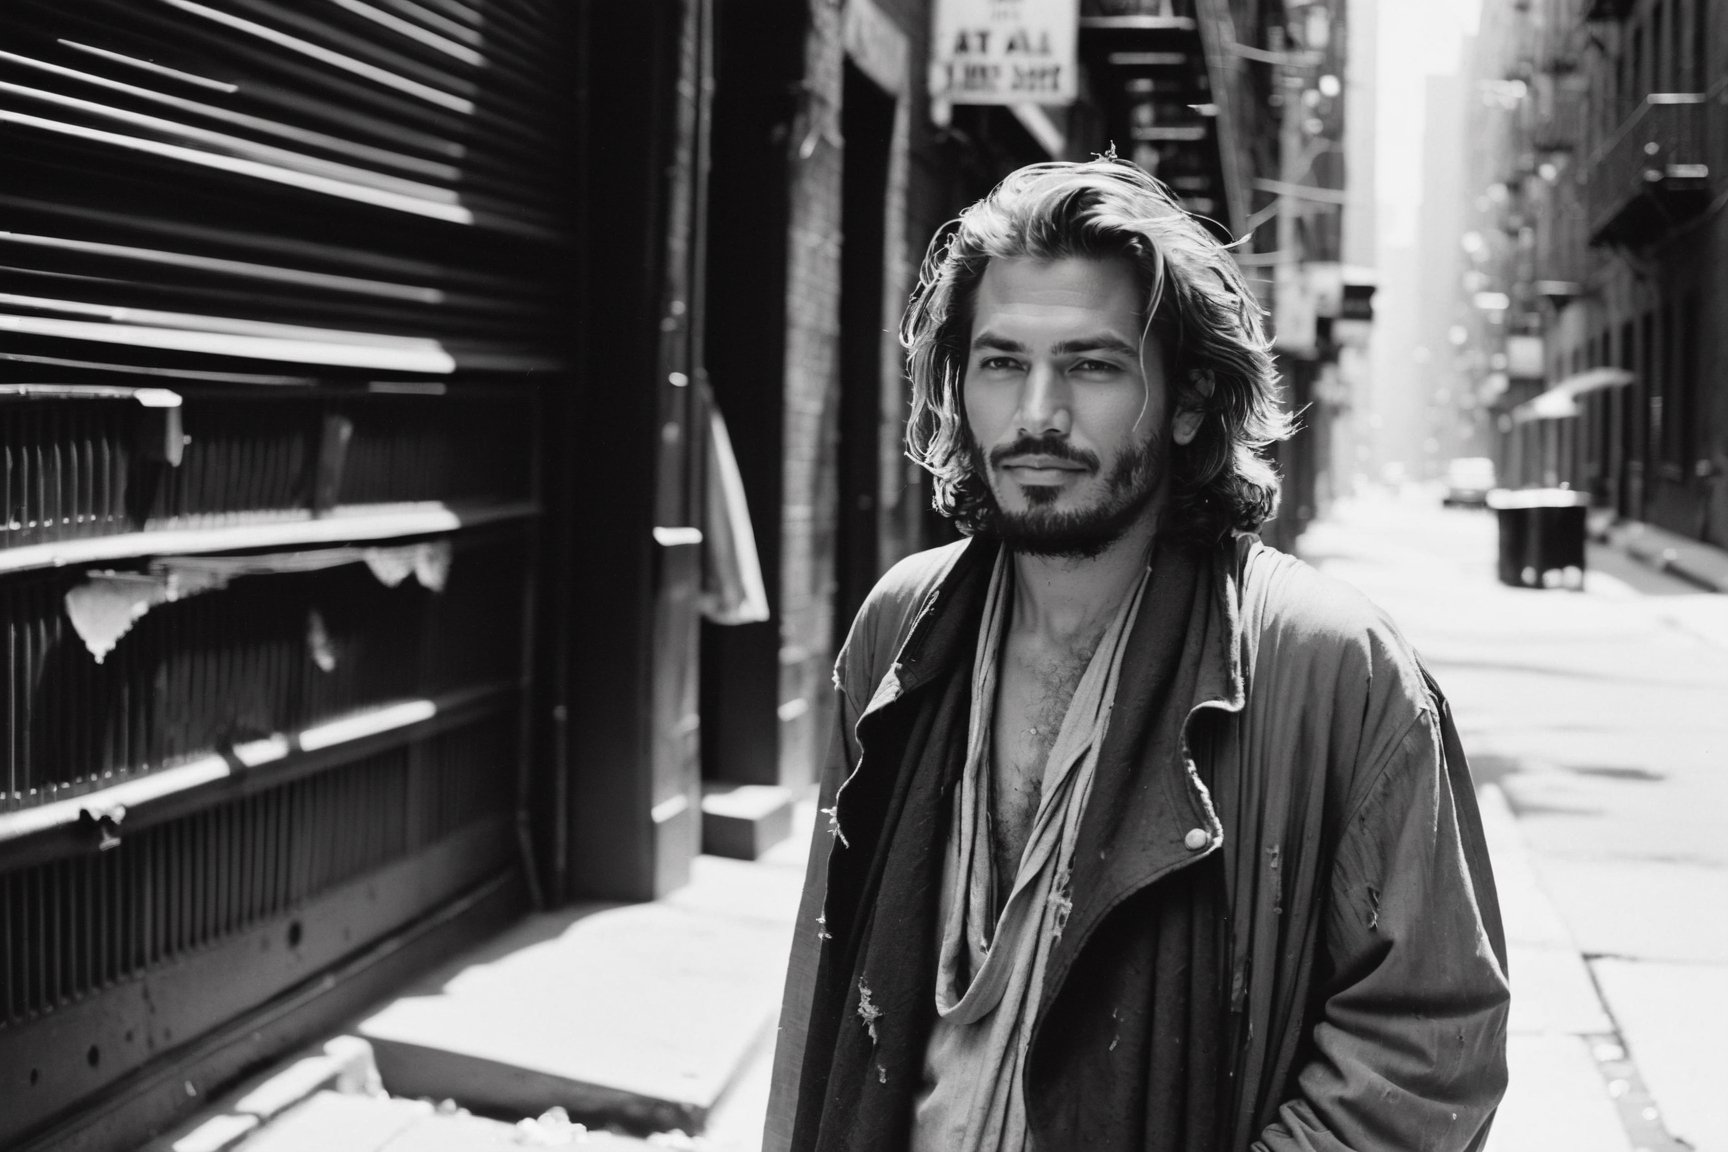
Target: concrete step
644, 1017
641, 1016
344, 1065
742, 821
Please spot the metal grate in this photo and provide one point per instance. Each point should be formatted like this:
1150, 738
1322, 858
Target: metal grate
241, 457
343, 234
73, 469
267, 654
64, 470
455, 449
269, 179
72, 927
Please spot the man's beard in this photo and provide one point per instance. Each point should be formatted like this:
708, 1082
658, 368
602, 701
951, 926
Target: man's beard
1075, 533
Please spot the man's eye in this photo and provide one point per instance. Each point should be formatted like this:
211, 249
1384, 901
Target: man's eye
999, 364
1094, 366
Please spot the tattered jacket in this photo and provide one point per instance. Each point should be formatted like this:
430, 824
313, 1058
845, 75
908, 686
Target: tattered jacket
1367, 979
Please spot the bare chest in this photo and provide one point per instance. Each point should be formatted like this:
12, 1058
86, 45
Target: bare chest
1034, 689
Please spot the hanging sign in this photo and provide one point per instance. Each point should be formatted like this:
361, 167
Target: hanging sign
1004, 51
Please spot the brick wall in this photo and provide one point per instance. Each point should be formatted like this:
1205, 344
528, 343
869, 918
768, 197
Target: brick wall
919, 196
812, 385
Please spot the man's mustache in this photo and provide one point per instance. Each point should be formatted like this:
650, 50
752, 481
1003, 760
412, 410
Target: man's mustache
1056, 447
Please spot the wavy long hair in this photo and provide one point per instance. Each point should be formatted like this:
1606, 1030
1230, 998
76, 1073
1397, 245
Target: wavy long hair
1217, 358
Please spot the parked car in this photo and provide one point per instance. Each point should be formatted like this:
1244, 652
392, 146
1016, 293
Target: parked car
1468, 481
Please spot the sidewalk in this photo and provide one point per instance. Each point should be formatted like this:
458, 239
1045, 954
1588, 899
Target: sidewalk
455, 1039
1595, 722
648, 1022
1562, 1040
1602, 810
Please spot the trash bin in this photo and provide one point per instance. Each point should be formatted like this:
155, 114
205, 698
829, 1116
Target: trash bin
1514, 521
1541, 536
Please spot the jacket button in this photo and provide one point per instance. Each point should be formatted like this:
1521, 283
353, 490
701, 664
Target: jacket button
1196, 839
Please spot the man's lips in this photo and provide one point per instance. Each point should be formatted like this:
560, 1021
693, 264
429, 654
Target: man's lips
1043, 464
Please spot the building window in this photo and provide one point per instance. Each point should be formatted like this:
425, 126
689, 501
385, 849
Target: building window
1663, 59
1640, 70
1650, 385
1677, 46
1629, 404
1622, 80
1680, 400
1700, 41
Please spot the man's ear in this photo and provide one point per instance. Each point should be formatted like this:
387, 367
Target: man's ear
1185, 425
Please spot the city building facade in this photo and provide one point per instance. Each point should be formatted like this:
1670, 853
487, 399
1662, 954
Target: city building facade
1599, 180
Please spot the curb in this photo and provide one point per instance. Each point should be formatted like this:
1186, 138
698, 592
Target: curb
1604, 1098
344, 1064
1693, 561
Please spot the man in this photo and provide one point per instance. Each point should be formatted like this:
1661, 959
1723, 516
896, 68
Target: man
1139, 835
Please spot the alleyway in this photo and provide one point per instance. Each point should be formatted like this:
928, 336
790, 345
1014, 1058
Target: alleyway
1599, 722
1595, 724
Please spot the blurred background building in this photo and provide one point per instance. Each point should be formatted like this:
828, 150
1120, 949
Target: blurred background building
1585, 346
359, 369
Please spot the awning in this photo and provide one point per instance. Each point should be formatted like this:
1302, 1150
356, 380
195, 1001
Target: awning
1561, 401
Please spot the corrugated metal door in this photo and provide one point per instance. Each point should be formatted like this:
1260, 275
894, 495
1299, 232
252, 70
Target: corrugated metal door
280, 285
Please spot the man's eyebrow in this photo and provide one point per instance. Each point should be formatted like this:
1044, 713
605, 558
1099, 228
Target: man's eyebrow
1102, 342
995, 343
1099, 343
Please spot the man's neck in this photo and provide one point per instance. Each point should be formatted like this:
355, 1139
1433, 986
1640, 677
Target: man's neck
1070, 601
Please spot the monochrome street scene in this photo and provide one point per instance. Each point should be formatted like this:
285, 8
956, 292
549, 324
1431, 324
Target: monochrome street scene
770, 575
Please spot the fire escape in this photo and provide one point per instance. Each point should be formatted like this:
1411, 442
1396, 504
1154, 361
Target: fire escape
1158, 67
1649, 173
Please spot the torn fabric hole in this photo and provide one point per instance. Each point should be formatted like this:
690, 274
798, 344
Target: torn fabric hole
833, 815
867, 1010
1061, 905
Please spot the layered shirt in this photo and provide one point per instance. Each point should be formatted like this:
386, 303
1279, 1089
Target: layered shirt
990, 973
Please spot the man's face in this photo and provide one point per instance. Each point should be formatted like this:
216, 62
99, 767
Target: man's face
1067, 408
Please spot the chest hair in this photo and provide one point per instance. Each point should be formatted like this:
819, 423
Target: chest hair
1034, 689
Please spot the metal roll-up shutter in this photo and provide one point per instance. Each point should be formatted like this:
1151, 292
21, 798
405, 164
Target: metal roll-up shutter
283, 287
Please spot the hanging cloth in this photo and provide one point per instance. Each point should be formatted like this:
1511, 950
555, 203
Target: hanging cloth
732, 588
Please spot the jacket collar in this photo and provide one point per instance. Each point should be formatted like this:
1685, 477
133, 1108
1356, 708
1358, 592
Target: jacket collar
1143, 831
1151, 812
939, 635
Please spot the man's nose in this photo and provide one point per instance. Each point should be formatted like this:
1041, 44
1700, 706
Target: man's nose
1044, 403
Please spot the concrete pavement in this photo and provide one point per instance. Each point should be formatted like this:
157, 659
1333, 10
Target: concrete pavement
651, 1022
1597, 724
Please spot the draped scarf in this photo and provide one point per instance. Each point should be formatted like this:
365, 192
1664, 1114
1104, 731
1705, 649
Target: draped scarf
1140, 1012
990, 973
874, 1005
